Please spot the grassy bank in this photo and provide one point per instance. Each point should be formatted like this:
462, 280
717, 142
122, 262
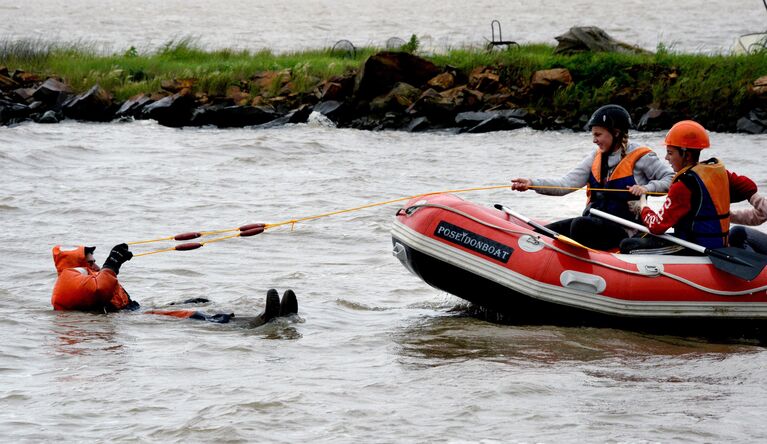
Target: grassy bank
706, 87
129, 73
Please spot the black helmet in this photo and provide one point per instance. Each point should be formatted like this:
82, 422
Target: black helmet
611, 117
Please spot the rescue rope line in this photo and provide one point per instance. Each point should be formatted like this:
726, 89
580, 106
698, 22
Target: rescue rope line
556, 187
257, 228
592, 261
253, 229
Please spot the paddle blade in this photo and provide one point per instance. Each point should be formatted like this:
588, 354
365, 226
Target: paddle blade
744, 264
572, 242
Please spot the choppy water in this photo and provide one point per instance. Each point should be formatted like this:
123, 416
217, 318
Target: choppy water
688, 25
376, 356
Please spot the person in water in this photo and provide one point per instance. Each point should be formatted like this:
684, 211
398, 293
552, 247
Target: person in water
81, 285
273, 308
84, 286
698, 202
617, 164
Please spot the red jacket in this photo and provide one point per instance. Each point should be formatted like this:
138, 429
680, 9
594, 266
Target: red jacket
677, 204
81, 287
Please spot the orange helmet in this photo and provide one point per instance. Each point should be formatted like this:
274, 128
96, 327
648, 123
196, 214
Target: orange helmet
688, 134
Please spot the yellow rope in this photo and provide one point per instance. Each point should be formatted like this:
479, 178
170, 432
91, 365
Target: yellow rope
293, 222
202, 244
554, 187
154, 252
150, 241
377, 204
219, 239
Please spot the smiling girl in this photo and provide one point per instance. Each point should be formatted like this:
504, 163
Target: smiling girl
616, 164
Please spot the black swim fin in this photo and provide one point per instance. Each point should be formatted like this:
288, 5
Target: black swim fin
272, 308
289, 304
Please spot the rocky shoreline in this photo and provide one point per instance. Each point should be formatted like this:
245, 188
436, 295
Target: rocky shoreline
391, 90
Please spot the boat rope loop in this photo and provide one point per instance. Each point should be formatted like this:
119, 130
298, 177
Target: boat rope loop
413, 208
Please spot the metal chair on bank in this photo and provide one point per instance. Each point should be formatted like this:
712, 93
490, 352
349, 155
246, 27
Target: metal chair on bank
500, 42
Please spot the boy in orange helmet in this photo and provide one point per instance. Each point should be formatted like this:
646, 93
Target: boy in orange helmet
698, 201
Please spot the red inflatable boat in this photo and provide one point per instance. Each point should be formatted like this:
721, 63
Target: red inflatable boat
496, 261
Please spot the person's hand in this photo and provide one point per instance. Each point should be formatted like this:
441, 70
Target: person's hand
521, 184
118, 256
637, 190
635, 206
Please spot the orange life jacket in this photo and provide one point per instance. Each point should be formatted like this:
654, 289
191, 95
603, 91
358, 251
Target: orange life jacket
621, 178
80, 287
708, 222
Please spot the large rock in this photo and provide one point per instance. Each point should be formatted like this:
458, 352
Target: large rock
93, 105
11, 112
224, 115
497, 123
591, 38
383, 70
52, 91
470, 119
755, 122
758, 90
486, 121
176, 85
49, 116
418, 124
484, 79
504, 98
337, 88
271, 83
238, 96
206, 114
442, 82
333, 110
547, 78
759, 87
298, 115
25, 78
6, 82
443, 107
173, 111
133, 106
655, 120
401, 96
24, 94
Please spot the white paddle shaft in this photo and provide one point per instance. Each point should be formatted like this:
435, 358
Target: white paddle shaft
642, 228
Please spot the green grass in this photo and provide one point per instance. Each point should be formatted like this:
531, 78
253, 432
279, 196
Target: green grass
706, 87
125, 74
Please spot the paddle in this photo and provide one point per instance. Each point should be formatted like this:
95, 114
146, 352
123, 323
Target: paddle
738, 262
541, 228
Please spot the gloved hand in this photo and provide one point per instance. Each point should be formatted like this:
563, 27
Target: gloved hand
741, 188
119, 255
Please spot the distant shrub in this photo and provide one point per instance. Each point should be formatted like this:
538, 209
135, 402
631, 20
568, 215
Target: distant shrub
412, 45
